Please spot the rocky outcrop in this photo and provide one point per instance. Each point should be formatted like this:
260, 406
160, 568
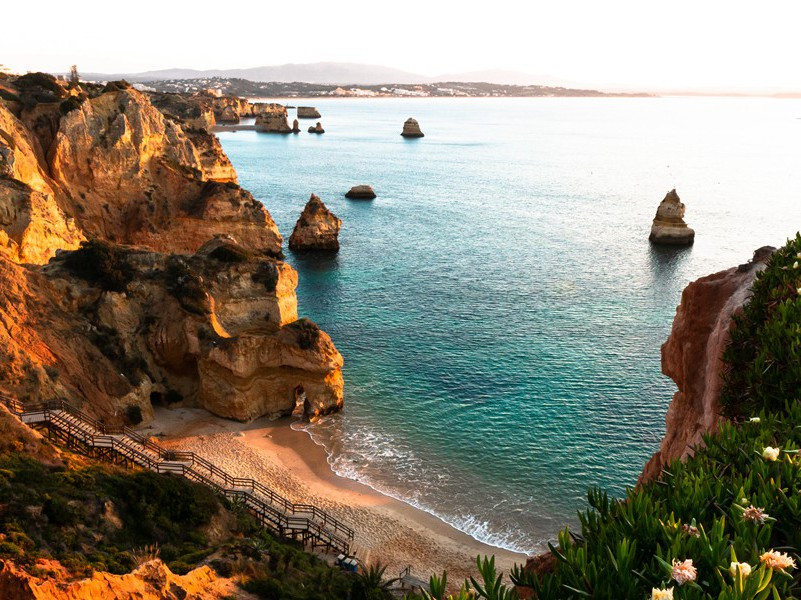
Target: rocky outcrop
230, 109
361, 192
411, 129
308, 112
32, 224
669, 226
114, 327
273, 122
692, 357
316, 229
195, 111
179, 297
152, 580
295, 126
317, 128
131, 176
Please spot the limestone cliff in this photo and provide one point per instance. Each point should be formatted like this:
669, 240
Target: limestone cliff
117, 168
273, 121
150, 581
180, 296
115, 327
692, 357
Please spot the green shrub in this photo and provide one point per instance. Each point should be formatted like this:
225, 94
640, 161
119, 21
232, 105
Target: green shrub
763, 359
307, 333
187, 287
100, 263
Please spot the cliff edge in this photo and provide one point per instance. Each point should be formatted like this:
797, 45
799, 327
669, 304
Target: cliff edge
692, 357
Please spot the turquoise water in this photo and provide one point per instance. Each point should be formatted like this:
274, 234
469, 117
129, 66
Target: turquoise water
499, 307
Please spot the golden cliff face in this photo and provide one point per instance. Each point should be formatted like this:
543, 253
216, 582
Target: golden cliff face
32, 225
150, 581
119, 327
196, 308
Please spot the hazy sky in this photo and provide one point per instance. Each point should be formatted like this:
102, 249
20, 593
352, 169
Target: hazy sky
675, 44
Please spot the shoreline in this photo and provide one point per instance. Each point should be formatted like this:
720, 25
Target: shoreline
388, 530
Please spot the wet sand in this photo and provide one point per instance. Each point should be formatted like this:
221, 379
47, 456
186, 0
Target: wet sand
387, 530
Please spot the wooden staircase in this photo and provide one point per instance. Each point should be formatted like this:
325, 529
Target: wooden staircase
68, 426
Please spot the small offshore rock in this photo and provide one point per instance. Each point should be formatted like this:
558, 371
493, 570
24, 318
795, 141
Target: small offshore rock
295, 126
669, 226
317, 228
317, 128
360, 192
411, 129
308, 112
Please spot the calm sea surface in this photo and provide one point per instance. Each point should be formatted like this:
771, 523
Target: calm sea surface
499, 307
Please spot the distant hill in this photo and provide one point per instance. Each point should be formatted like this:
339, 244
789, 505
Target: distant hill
335, 73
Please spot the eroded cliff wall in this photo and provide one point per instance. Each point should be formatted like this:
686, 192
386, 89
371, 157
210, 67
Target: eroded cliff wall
180, 297
692, 357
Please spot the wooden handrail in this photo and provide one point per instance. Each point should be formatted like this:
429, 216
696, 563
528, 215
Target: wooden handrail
256, 495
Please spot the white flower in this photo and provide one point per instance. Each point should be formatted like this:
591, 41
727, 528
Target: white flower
657, 594
770, 453
683, 571
795, 265
754, 420
744, 568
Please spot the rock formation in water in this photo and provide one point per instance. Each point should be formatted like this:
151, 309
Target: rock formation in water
411, 129
317, 128
360, 192
692, 357
669, 226
316, 229
295, 126
273, 122
308, 112
180, 297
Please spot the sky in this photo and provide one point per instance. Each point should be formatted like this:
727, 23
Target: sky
699, 44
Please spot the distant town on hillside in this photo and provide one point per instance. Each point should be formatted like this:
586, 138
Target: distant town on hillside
255, 89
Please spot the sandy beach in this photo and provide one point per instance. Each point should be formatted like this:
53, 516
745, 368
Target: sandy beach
387, 530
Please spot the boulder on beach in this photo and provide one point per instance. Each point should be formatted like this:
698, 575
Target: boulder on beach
308, 112
669, 226
316, 229
361, 192
411, 129
317, 128
295, 126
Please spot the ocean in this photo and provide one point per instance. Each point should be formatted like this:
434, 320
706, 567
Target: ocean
499, 306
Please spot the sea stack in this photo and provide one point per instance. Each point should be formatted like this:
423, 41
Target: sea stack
317, 128
669, 226
316, 229
308, 112
411, 129
273, 122
360, 192
295, 126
